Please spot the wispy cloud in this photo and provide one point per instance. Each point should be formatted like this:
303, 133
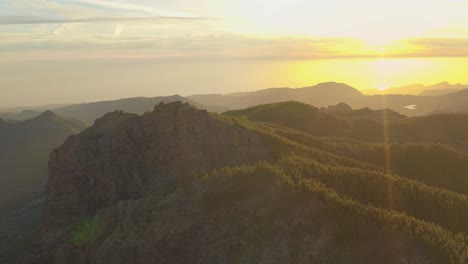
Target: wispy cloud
441, 42
85, 11
63, 28
118, 30
437, 47
22, 20
124, 6
117, 44
188, 47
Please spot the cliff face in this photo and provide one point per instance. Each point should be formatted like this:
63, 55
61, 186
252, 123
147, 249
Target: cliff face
125, 156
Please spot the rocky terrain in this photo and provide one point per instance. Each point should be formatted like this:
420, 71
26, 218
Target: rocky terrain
181, 185
126, 157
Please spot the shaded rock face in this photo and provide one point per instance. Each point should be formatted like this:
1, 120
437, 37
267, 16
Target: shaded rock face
126, 156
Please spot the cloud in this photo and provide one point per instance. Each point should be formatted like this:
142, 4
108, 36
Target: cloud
123, 6
109, 42
223, 46
28, 12
437, 47
63, 28
118, 30
440, 42
25, 20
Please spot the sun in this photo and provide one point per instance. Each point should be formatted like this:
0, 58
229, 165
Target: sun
382, 86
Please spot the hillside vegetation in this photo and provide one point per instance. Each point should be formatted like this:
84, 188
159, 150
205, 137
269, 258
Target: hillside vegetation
364, 124
252, 192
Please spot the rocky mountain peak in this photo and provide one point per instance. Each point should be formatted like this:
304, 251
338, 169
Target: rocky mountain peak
125, 156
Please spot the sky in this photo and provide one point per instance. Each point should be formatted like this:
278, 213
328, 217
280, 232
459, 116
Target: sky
57, 51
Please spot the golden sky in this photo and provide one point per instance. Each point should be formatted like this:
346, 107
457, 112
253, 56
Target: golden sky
368, 44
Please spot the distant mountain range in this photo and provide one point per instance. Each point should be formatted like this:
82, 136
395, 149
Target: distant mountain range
322, 94
88, 112
419, 89
332, 93
19, 116
410, 100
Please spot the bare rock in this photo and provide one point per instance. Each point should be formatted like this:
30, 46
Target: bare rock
126, 156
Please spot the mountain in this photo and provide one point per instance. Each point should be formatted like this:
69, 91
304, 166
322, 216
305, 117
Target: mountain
363, 124
24, 152
89, 112
21, 116
419, 89
325, 94
181, 185
38, 108
372, 91
438, 92
297, 115
345, 111
453, 103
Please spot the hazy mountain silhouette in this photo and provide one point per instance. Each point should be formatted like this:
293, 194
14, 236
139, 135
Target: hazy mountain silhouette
23, 115
88, 112
433, 99
325, 94
38, 108
438, 92
25, 147
24, 152
419, 89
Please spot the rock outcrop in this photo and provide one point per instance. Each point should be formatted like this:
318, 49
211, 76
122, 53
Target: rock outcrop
125, 157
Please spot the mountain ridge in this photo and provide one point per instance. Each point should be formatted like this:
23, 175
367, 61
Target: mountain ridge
247, 192
332, 93
89, 112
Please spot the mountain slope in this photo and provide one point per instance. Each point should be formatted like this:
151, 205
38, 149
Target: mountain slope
363, 124
181, 185
170, 135
25, 149
296, 115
